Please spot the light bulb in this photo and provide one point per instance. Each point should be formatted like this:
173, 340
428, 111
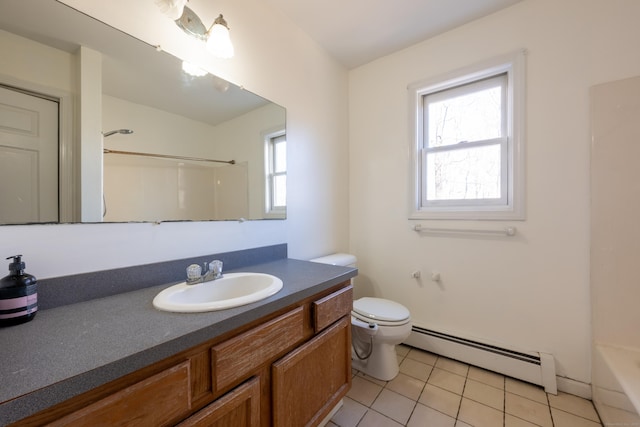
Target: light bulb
218, 41
193, 70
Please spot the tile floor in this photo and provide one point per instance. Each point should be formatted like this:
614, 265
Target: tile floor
434, 391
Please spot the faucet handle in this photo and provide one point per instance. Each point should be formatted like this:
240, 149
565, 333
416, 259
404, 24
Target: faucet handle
194, 271
215, 267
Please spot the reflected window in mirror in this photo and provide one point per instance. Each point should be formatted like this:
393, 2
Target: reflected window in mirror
276, 160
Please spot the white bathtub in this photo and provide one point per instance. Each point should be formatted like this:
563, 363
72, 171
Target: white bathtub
616, 385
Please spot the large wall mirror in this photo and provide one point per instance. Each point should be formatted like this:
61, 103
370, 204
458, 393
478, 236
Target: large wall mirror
97, 126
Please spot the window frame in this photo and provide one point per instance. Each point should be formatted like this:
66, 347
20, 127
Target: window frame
271, 210
511, 204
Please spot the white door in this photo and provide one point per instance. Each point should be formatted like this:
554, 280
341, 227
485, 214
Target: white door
28, 158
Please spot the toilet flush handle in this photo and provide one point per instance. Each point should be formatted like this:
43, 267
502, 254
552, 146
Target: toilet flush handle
367, 328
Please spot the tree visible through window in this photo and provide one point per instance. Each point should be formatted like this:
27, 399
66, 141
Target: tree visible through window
467, 146
465, 137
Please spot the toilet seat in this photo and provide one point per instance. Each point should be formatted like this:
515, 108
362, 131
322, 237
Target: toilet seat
381, 311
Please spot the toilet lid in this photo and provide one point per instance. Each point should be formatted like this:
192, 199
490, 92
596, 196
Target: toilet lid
380, 309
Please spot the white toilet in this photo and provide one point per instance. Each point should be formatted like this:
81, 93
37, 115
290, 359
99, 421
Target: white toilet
377, 326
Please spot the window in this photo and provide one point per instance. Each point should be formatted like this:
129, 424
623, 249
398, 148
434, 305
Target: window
467, 145
276, 156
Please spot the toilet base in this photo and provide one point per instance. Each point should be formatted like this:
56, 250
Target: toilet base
382, 364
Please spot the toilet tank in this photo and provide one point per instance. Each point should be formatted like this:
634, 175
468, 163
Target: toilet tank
341, 259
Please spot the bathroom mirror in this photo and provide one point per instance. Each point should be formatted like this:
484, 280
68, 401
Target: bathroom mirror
98, 126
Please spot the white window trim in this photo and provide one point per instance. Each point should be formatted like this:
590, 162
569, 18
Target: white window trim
514, 65
271, 211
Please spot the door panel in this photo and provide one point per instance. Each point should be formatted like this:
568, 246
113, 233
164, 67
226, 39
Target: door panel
28, 158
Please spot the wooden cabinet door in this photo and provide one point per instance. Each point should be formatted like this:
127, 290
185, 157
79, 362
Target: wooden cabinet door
238, 408
308, 382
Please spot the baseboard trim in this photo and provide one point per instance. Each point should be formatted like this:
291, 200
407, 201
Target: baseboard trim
577, 388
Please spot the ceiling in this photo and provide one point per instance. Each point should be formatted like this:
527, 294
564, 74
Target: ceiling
356, 32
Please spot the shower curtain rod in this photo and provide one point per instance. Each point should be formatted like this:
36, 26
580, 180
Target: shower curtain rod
165, 156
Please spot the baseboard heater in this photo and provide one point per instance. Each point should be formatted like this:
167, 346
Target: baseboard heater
533, 367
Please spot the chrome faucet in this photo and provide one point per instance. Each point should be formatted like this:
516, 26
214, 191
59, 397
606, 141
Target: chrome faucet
212, 271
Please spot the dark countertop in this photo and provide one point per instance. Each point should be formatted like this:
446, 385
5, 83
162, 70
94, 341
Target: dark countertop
68, 350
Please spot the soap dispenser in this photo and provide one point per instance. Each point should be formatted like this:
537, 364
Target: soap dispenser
18, 295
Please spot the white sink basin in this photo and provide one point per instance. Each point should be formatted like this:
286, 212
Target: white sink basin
232, 290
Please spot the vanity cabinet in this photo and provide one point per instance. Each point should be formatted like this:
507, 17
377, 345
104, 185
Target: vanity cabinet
161, 399
237, 357
309, 381
239, 407
289, 368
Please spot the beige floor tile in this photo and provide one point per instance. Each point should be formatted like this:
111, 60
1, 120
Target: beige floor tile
487, 377
451, 365
528, 410
424, 416
330, 424
406, 386
511, 421
440, 400
363, 391
394, 406
527, 390
373, 380
350, 414
415, 369
447, 380
436, 391
484, 394
574, 405
479, 415
402, 349
375, 419
422, 356
565, 419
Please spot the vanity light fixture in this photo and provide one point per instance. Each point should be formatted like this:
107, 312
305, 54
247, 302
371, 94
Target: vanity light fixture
172, 8
216, 37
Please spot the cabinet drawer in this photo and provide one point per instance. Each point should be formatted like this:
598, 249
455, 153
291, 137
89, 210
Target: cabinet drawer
235, 359
159, 400
332, 307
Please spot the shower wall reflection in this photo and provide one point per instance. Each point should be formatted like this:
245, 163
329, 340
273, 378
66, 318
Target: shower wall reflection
137, 189
145, 188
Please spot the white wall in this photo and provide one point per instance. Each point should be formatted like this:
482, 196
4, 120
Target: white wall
309, 84
17, 63
530, 291
244, 137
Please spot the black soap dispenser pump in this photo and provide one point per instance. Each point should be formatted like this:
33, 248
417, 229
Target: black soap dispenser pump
18, 294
